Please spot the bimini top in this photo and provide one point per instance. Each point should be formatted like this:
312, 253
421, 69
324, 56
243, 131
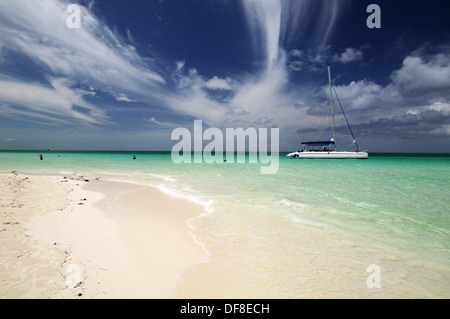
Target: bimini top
318, 143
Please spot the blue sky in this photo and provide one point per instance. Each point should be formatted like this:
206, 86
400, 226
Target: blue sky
136, 70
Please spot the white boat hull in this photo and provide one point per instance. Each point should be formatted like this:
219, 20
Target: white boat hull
329, 155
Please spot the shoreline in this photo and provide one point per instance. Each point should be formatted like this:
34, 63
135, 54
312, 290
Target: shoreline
79, 239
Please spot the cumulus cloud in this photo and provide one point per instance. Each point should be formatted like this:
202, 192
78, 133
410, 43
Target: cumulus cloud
417, 81
349, 55
363, 95
423, 75
414, 103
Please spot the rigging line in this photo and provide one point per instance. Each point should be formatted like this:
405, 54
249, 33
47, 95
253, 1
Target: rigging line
345, 116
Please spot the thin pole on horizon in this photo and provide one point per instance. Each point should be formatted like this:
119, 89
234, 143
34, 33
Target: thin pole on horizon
332, 107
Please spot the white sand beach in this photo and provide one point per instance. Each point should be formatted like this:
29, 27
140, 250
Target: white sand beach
68, 238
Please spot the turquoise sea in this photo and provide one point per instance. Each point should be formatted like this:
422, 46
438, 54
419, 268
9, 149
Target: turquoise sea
282, 230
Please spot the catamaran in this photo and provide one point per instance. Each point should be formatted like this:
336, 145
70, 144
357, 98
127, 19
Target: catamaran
327, 149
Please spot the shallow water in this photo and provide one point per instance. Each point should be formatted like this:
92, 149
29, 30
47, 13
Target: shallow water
310, 230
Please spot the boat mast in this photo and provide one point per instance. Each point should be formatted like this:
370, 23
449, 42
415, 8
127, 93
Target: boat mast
332, 107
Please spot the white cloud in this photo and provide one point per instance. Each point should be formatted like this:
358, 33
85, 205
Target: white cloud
442, 107
216, 83
97, 55
153, 120
38, 29
415, 101
261, 98
274, 21
130, 37
180, 65
237, 111
263, 121
264, 21
161, 124
122, 97
349, 55
417, 74
317, 59
100, 58
296, 65
297, 20
418, 82
360, 94
296, 53
55, 103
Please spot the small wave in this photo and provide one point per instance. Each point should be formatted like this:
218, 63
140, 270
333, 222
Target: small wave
365, 204
164, 177
172, 191
288, 203
291, 207
207, 204
191, 233
257, 206
302, 220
